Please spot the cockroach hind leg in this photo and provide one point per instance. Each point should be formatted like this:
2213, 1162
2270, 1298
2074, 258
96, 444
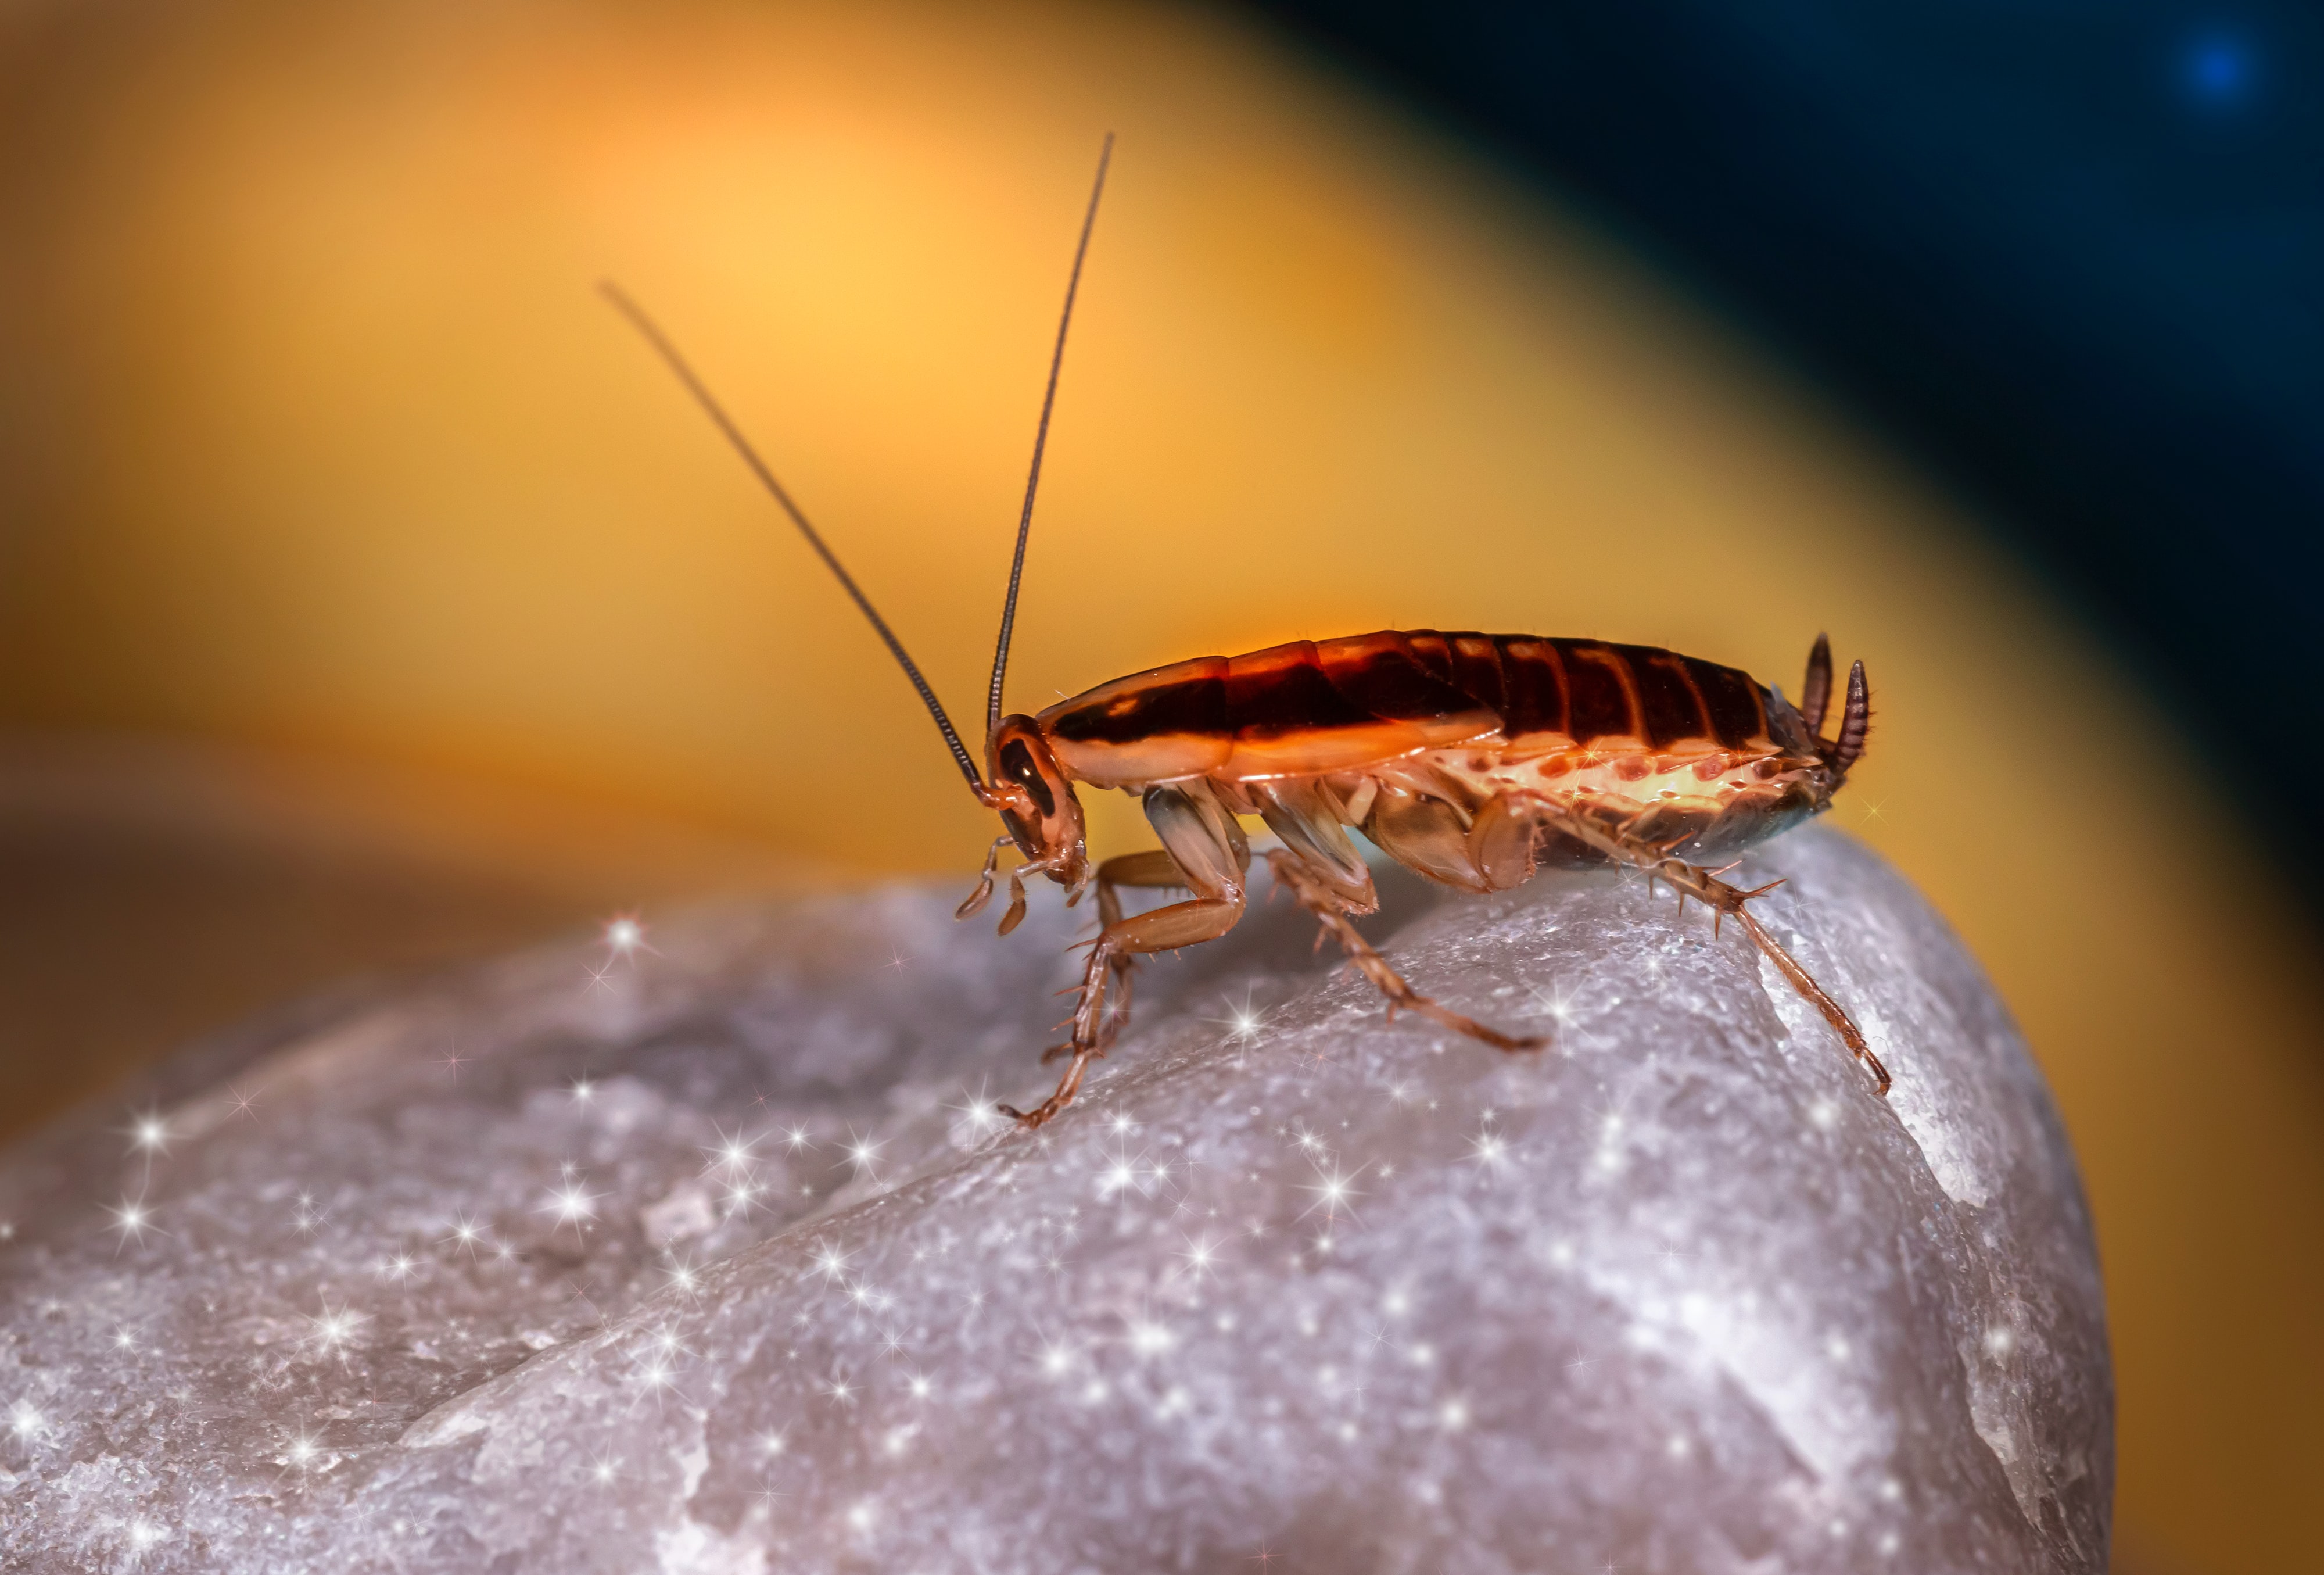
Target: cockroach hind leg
1739, 898
1804, 982
1725, 901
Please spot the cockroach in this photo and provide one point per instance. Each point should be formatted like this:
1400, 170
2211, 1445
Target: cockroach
1472, 759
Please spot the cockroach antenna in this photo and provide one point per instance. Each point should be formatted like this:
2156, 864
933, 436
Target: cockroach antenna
702, 394
1040, 443
678, 364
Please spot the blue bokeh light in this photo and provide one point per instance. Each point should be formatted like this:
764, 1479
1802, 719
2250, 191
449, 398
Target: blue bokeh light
2219, 70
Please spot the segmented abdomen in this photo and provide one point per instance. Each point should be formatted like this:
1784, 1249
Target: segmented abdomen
1331, 705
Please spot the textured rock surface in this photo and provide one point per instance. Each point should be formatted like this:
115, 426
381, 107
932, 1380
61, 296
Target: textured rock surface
711, 1257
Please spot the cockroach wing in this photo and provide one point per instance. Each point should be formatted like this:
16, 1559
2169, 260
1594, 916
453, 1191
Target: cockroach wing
1159, 726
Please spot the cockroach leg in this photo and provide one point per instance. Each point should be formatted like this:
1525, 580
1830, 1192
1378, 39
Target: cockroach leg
1154, 870
1201, 844
1620, 843
1202, 918
973, 904
1315, 896
1017, 878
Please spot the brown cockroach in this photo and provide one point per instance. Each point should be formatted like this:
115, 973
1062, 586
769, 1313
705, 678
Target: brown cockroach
1472, 759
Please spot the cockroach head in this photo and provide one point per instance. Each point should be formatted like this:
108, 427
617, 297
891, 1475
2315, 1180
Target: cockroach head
1036, 799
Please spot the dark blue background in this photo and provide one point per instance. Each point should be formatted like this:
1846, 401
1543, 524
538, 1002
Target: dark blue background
2069, 254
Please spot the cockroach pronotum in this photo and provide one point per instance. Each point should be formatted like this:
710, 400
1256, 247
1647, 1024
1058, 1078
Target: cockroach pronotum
1472, 759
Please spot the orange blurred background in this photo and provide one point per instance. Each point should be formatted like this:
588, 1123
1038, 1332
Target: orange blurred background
372, 599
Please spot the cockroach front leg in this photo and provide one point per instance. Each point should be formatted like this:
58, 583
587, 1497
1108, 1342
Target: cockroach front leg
1203, 852
1204, 918
1318, 897
1619, 842
1151, 871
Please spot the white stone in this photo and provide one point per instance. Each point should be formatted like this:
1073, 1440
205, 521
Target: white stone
1678, 1294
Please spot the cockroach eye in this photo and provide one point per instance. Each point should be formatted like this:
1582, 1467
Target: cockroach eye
1016, 761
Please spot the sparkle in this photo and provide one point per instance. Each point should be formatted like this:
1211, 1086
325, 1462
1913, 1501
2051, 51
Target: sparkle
732, 1155
132, 1220
1489, 1152
398, 1268
143, 1534
464, 1233
299, 1453
977, 1110
25, 1421
1200, 1255
333, 1326
1557, 1003
244, 1105
830, 1262
655, 1367
863, 1153
452, 1060
149, 1134
1333, 1189
582, 1089
682, 1275
796, 1138
839, 1391
572, 1206
1126, 1171
624, 936
1149, 1338
740, 1195
1242, 1021
770, 1443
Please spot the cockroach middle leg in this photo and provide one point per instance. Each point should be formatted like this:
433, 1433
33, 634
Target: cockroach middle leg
1316, 897
1626, 845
